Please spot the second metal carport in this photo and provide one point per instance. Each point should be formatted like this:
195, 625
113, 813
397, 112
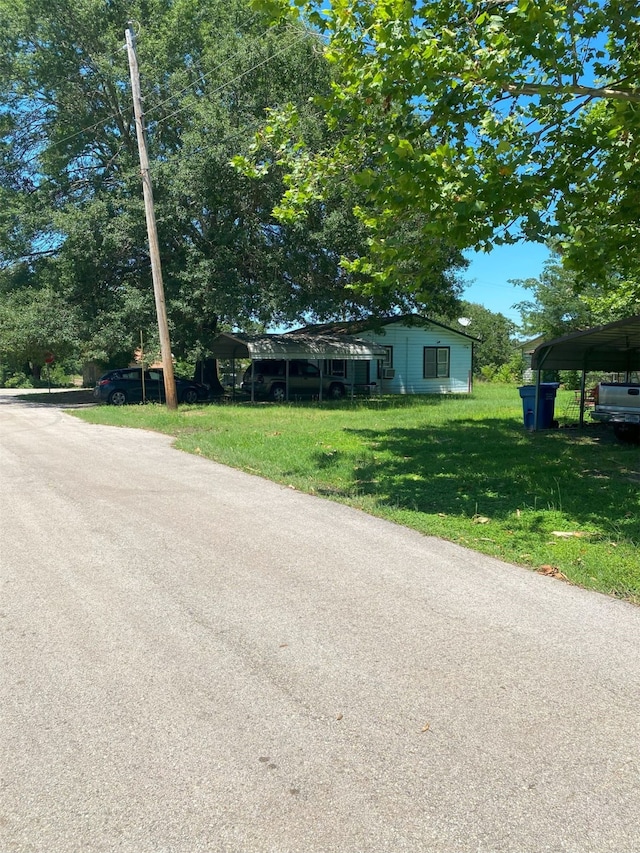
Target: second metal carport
233, 345
613, 347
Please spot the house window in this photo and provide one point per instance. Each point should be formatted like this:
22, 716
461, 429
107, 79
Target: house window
436, 362
386, 362
335, 366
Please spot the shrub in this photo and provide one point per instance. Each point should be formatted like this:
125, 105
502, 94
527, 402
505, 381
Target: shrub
18, 380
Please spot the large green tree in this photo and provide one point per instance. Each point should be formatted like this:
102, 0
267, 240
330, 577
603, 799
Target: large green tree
35, 320
496, 335
70, 159
70, 186
493, 120
557, 306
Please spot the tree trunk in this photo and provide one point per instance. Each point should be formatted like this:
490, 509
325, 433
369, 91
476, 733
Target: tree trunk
207, 372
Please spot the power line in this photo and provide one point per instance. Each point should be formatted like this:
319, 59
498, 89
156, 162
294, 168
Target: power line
84, 172
102, 122
236, 78
204, 74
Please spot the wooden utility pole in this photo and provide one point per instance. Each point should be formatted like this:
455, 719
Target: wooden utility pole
152, 231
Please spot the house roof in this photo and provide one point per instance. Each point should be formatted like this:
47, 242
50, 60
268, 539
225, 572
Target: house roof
375, 324
529, 346
293, 346
614, 347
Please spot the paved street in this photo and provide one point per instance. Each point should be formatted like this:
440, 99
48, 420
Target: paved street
193, 659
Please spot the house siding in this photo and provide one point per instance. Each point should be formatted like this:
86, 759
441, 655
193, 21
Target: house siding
408, 344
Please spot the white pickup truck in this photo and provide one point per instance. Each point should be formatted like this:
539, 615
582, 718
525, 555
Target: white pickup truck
618, 404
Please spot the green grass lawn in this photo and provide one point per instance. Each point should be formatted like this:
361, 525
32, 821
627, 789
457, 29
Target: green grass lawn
566, 502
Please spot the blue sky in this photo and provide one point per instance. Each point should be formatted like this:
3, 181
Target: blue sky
489, 273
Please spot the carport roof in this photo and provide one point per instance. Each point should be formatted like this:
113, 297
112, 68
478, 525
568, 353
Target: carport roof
240, 345
614, 347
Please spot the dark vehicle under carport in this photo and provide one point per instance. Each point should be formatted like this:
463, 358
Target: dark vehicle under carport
295, 346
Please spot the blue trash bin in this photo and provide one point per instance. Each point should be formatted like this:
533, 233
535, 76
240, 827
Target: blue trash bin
546, 404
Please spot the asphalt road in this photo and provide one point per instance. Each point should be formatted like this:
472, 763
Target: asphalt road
193, 659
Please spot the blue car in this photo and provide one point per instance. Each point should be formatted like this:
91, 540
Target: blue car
126, 385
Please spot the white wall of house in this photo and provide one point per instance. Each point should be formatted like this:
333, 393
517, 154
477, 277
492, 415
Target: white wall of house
407, 349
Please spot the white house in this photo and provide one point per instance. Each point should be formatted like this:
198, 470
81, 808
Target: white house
527, 348
422, 356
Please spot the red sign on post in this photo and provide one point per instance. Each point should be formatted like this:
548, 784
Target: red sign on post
49, 358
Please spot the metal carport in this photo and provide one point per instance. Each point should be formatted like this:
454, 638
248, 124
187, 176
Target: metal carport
233, 345
613, 347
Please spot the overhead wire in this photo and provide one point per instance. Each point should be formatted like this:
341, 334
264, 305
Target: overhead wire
86, 170
236, 78
87, 129
203, 76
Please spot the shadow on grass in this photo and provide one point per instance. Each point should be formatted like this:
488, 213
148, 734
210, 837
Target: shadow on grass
495, 468
382, 403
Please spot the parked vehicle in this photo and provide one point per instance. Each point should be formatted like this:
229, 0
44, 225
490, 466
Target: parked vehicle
270, 380
125, 385
618, 404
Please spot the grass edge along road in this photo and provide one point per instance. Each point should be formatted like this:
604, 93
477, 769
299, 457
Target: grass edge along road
564, 502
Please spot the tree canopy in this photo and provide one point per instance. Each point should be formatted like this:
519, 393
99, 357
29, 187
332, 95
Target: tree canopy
491, 120
404, 131
558, 307
496, 333
71, 209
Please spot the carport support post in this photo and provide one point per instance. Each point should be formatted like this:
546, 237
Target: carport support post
233, 361
583, 386
536, 404
320, 389
144, 390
